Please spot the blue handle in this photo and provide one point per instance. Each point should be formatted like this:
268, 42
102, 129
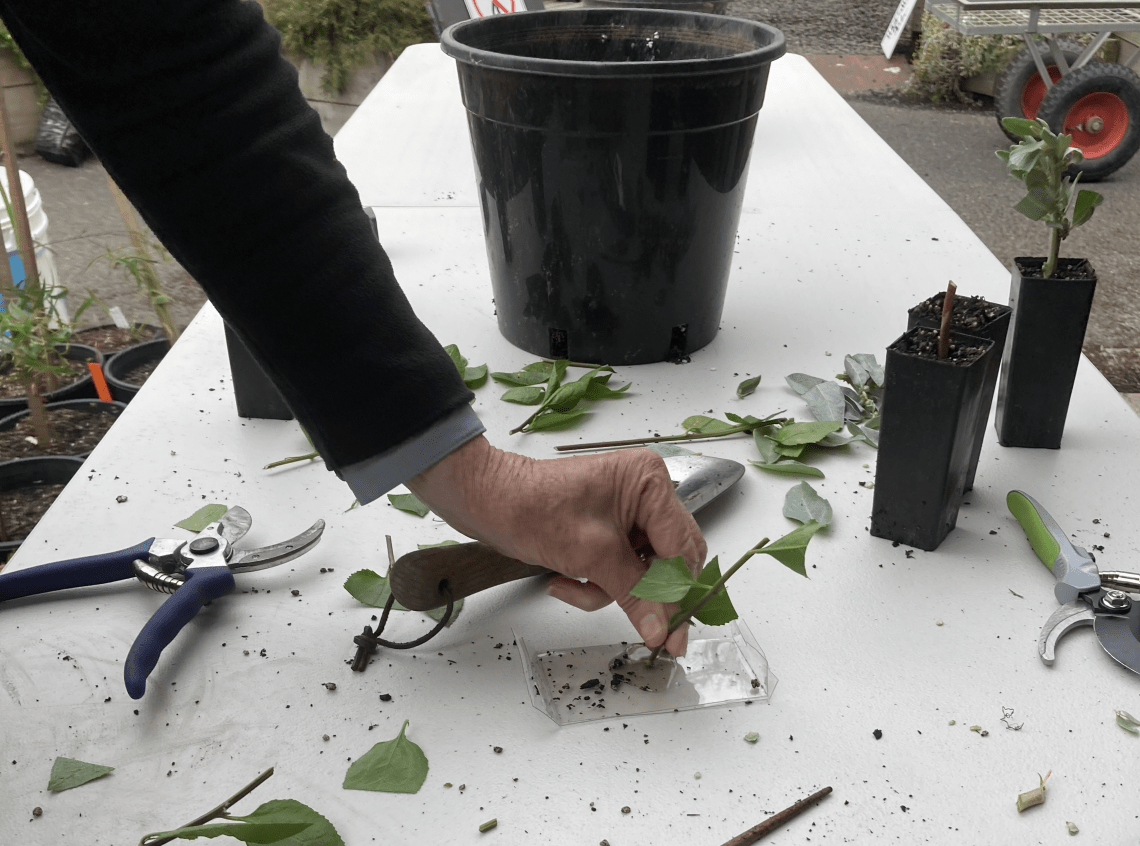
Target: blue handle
201, 585
74, 572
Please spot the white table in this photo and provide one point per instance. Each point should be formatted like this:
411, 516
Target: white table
838, 239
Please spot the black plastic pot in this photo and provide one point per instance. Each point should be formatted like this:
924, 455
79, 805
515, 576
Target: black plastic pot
125, 361
33, 472
713, 7
611, 149
89, 406
80, 389
110, 354
972, 316
926, 437
255, 394
1042, 351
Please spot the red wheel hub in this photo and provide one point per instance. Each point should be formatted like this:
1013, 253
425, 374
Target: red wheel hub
1034, 90
1097, 122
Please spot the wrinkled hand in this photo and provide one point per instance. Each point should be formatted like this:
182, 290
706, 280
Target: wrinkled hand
583, 517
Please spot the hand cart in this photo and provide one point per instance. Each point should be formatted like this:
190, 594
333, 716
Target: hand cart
1098, 103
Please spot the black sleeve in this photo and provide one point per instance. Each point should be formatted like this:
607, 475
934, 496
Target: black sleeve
195, 115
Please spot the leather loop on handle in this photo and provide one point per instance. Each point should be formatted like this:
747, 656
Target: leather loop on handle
467, 568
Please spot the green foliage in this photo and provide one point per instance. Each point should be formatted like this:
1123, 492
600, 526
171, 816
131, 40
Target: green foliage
392, 766
409, 503
138, 266
473, 377
343, 34
67, 773
945, 58
282, 821
748, 386
370, 588
1040, 161
30, 330
558, 403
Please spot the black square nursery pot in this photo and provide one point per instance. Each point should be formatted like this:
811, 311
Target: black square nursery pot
927, 434
1042, 352
255, 394
982, 319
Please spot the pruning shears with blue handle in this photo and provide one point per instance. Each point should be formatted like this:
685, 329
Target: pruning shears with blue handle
193, 573
1088, 596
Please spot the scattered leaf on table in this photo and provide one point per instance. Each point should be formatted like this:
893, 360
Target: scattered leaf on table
1127, 722
473, 377
409, 503
801, 383
203, 517
752, 737
370, 588
67, 773
1072, 827
434, 545
282, 821
790, 468
792, 451
392, 766
802, 503
793, 434
747, 387
868, 365
556, 419
522, 378
789, 550
666, 580
705, 425
765, 445
531, 395
826, 401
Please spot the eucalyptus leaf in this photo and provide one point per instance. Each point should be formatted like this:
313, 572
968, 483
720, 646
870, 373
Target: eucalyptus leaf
835, 440
864, 432
792, 434
392, 766
555, 419
67, 773
666, 580
855, 371
765, 445
203, 517
801, 383
789, 451
409, 503
826, 401
789, 468
748, 386
802, 503
789, 550
874, 370
524, 395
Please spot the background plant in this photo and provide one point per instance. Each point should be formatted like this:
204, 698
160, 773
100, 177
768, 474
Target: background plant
1040, 161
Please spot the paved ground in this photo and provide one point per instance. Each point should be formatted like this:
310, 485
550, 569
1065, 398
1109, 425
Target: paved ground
952, 148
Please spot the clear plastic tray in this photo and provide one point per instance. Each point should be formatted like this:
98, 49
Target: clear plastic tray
723, 665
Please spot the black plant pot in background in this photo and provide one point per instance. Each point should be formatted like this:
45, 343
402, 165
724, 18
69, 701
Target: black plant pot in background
927, 434
1042, 351
27, 473
83, 406
127, 360
256, 396
81, 388
972, 316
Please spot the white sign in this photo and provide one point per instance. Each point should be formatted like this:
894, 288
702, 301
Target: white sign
891, 39
482, 8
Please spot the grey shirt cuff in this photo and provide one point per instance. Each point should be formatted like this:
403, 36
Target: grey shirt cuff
375, 476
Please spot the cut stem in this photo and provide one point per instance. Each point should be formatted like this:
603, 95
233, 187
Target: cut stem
947, 314
776, 820
688, 436
291, 460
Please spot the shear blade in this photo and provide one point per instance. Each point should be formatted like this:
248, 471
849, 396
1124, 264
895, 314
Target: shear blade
248, 560
1117, 634
234, 524
1069, 616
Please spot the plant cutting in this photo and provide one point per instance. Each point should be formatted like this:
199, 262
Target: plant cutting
559, 405
933, 386
1050, 296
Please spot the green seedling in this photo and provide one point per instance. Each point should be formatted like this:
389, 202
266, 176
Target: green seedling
1041, 160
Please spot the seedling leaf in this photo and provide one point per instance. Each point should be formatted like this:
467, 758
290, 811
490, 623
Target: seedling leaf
67, 773
747, 387
789, 468
392, 766
789, 550
203, 517
802, 503
409, 503
666, 580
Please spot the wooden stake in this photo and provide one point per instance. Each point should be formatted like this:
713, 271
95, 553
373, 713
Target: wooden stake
776, 820
19, 220
947, 313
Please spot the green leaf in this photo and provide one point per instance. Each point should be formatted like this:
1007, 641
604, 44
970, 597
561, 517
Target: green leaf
1022, 126
791, 434
801, 383
826, 401
666, 580
866, 432
567, 396
319, 833
1032, 208
282, 821
790, 468
1087, 201
600, 390
554, 379
475, 377
437, 613
761, 437
870, 364
456, 358
705, 425
748, 386
1127, 722
521, 378
793, 451
434, 545
789, 550
245, 832
393, 766
370, 588
409, 503
554, 420
802, 503
718, 611
203, 517
524, 396
67, 773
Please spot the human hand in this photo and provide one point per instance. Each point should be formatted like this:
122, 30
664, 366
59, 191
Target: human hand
586, 517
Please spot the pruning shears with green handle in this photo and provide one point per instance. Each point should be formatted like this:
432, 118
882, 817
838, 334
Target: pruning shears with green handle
1088, 596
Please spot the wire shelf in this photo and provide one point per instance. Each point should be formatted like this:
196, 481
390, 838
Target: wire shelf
1012, 18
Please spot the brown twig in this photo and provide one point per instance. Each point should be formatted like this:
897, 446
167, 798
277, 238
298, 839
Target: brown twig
947, 313
776, 820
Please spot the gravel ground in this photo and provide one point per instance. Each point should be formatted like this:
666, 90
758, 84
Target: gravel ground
828, 27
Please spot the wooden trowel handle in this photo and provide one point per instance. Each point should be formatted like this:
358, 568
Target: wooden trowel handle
467, 568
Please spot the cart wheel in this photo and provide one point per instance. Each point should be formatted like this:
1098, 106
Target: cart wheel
1019, 88
1099, 105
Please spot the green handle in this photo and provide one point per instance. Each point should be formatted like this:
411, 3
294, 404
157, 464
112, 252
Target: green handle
1038, 525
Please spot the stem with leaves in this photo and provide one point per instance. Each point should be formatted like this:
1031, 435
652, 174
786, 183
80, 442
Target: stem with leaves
741, 428
214, 813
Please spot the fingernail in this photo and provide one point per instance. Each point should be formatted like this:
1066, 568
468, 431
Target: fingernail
652, 629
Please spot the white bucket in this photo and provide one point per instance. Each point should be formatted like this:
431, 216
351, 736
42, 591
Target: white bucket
37, 219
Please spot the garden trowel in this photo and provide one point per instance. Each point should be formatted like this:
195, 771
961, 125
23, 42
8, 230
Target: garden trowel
423, 579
